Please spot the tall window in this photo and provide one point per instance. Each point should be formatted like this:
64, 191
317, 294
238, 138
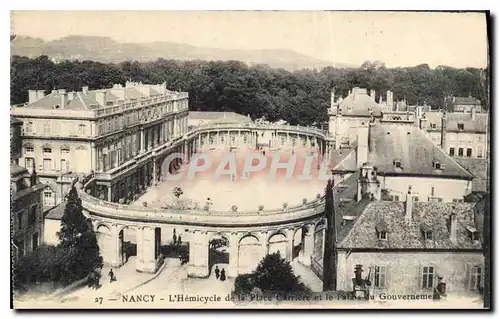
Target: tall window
20, 220
32, 215
469, 152
460, 126
34, 241
479, 151
47, 164
476, 278
427, 277
46, 128
380, 277
452, 151
48, 198
29, 127
81, 129
64, 165
28, 162
460, 152
20, 247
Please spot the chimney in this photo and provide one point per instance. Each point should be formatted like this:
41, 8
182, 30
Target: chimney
64, 99
85, 90
473, 113
443, 131
41, 94
362, 149
372, 95
32, 96
409, 205
100, 97
453, 228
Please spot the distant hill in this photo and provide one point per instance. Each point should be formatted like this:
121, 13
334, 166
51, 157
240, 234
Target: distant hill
104, 49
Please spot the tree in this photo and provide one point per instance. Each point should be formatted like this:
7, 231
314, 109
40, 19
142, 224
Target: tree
329, 255
272, 274
78, 237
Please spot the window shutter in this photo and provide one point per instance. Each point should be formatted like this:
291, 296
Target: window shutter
387, 277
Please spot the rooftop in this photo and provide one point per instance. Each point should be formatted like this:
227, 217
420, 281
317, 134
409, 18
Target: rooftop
93, 99
218, 117
426, 216
28, 191
17, 170
479, 125
359, 103
56, 212
388, 143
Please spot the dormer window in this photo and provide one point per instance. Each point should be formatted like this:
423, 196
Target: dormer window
436, 164
426, 231
473, 233
382, 235
460, 126
382, 230
397, 164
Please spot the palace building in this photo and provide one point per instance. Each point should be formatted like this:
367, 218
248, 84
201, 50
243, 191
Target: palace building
111, 132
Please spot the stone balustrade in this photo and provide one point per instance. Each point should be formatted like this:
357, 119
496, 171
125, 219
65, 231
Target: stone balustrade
200, 217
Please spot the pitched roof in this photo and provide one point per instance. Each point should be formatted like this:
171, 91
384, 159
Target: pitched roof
16, 170
412, 148
404, 235
343, 159
478, 168
56, 212
359, 103
479, 125
79, 102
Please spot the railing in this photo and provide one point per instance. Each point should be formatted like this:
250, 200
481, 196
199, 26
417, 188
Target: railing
316, 267
197, 216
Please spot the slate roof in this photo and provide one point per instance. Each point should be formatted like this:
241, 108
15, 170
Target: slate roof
343, 159
411, 147
56, 212
79, 102
479, 125
16, 170
478, 168
359, 103
403, 235
15, 120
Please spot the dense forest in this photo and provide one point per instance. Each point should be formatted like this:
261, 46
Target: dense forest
299, 97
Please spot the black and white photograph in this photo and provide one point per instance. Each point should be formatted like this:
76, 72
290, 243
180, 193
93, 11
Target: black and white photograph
250, 159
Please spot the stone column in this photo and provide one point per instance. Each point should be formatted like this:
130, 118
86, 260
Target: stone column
308, 245
232, 270
263, 245
147, 248
142, 141
198, 254
154, 171
289, 236
111, 245
109, 193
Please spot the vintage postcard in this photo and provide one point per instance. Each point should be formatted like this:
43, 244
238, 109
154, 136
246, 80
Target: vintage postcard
250, 160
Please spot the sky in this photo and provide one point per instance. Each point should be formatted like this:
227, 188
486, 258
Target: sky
396, 38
